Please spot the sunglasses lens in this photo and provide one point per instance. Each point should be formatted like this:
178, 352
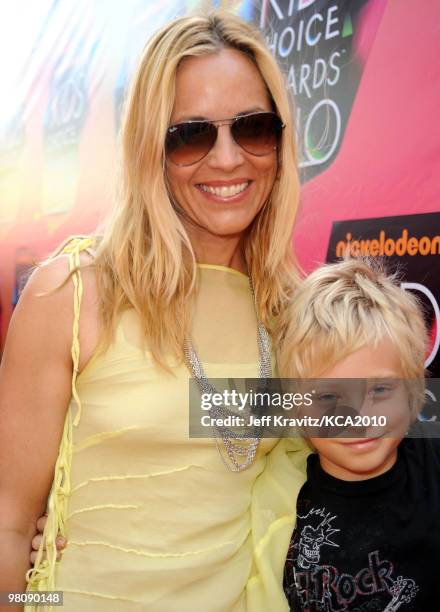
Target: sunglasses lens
188, 143
257, 134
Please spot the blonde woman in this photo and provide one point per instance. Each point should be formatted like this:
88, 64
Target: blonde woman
94, 380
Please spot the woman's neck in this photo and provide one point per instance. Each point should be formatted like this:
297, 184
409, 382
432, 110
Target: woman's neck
219, 250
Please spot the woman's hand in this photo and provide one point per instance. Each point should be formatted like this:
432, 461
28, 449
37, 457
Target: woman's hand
36, 541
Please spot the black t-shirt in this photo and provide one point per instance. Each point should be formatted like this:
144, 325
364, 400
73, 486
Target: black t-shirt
369, 545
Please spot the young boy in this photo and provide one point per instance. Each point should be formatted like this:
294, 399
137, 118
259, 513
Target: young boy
367, 535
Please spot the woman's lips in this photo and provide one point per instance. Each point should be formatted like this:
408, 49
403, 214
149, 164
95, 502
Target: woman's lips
223, 189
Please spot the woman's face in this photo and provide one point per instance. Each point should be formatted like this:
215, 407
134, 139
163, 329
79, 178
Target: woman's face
219, 86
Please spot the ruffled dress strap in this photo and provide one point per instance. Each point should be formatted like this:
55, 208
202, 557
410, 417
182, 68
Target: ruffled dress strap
42, 576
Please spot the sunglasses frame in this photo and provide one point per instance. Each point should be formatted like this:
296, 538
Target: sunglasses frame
219, 123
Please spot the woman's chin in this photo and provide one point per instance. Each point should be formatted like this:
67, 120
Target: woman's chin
228, 228
225, 223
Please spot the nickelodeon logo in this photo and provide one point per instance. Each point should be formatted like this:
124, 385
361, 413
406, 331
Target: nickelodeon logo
378, 247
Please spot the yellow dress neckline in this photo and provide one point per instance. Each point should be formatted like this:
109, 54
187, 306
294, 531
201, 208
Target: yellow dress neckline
221, 268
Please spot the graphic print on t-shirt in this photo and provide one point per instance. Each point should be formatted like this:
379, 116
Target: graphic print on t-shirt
315, 534
318, 585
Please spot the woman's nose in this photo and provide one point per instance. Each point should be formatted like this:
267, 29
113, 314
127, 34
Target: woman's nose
226, 153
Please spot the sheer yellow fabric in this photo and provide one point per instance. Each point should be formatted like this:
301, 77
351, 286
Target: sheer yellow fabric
273, 513
154, 520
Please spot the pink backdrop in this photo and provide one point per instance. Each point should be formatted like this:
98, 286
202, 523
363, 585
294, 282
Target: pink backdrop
58, 149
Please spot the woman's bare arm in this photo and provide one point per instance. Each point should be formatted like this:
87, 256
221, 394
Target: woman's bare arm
35, 388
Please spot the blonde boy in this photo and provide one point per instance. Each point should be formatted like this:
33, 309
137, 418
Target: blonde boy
368, 517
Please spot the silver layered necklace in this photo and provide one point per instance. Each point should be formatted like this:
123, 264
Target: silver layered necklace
236, 450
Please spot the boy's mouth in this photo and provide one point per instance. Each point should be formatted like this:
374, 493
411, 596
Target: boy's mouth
362, 443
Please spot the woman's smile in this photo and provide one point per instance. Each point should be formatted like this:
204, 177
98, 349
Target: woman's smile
234, 190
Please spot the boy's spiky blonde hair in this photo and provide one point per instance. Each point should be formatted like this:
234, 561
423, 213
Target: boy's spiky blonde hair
341, 307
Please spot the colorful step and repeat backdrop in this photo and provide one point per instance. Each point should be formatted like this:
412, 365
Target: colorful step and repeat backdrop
366, 79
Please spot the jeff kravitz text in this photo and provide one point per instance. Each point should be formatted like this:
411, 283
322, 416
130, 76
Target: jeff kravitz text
301, 422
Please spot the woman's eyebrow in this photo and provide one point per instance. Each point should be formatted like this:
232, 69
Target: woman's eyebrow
192, 118
256, 109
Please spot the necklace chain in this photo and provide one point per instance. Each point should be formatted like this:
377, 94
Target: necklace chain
240, 449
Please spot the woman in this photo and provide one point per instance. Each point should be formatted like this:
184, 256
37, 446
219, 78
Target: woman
155, 520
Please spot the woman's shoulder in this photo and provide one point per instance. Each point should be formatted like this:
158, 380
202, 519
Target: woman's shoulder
82, 244
50, 279
67, 278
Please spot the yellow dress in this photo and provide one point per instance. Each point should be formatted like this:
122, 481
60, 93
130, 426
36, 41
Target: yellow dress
154, 520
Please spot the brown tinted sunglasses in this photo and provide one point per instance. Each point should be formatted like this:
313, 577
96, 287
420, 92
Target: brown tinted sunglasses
256, 133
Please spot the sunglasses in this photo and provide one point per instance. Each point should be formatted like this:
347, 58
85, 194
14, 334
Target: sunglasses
189, 142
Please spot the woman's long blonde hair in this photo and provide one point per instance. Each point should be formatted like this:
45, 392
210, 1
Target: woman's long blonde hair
145, 259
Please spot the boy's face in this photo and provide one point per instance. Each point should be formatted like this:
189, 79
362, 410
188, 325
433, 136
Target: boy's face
372, 455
